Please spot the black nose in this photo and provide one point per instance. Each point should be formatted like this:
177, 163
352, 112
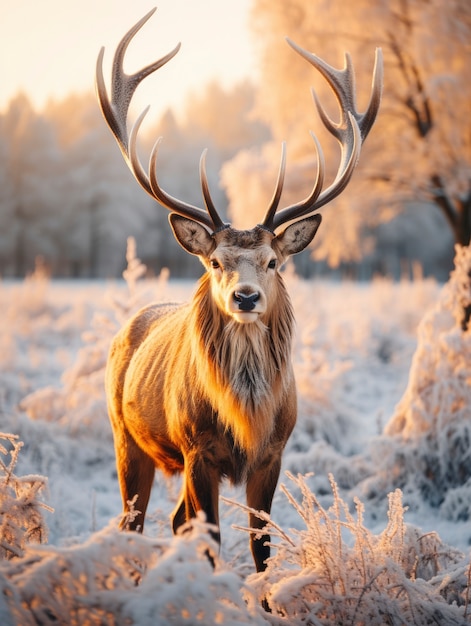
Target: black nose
246, 302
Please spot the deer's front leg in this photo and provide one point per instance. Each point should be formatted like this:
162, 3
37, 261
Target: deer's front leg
135, 473
261, 485
200, 492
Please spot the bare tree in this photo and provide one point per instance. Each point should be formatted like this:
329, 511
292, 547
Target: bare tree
428, 43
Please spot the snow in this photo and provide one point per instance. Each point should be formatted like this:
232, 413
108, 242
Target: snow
370, 524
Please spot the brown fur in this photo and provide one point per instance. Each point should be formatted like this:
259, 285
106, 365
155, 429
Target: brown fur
193, 389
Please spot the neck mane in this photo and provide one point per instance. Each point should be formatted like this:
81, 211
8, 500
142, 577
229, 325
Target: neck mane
244, 369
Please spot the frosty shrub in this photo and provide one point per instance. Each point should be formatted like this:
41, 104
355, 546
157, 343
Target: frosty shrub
427, 443
31, 297
127, 578
21, 519
136, 295
336, 571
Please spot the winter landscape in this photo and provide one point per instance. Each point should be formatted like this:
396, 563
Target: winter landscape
370, 524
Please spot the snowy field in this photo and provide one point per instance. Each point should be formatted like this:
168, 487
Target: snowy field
350, 548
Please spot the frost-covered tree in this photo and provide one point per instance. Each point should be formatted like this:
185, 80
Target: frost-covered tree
101, 206
31, 156
66, 194
420, 147
428, 44
425, 448
6, 204
217, 119
225, 117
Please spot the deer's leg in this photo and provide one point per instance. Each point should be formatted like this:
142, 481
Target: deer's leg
136, 472
179, 514
200, 493
261, 485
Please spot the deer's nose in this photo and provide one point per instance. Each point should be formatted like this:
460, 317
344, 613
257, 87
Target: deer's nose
246, 302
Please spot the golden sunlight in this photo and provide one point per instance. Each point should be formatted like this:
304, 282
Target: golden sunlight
49, 48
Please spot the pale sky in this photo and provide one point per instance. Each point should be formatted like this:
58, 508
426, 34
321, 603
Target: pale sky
48, 48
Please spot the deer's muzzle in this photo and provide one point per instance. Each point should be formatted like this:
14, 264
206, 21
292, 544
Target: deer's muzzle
246, 302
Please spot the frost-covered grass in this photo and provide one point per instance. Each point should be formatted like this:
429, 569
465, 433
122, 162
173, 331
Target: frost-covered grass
371, 524
21, 521
335, 571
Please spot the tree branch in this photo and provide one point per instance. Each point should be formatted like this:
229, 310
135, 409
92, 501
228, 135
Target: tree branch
417, 100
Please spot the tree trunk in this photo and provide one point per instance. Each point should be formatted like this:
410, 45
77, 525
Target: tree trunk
20, 246
464, 220
458, 215
457, 212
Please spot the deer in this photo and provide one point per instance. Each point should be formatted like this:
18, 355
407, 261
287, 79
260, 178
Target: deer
206, 389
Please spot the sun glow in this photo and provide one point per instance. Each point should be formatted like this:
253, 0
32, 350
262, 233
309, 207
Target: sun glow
49, 48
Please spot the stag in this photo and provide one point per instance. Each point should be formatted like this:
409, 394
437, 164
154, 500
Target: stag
207, 388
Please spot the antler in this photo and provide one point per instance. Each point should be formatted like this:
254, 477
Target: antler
350, 132
115, 113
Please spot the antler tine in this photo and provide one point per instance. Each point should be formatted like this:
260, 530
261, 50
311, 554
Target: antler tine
177, 206
209, 204
350, 131
124, 85
275, 201
115, 113
273, 219
343, 86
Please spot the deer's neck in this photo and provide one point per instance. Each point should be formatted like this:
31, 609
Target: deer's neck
244, 368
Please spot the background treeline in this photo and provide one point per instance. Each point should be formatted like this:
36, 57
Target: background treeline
66, 195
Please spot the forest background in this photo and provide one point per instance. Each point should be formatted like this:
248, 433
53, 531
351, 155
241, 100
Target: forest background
67, 198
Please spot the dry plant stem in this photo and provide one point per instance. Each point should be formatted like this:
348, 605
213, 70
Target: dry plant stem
364, 545
335, 493
275, 530
366, 587
14, 452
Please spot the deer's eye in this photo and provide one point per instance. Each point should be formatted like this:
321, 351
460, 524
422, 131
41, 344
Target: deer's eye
214, 264
272, 264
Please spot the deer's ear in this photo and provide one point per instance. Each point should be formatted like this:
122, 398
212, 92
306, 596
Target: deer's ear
193, 237
298, 236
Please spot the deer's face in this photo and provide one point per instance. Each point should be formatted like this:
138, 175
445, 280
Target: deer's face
243, 265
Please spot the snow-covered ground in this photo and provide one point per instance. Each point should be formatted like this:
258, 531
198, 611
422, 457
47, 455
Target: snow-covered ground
347, 552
